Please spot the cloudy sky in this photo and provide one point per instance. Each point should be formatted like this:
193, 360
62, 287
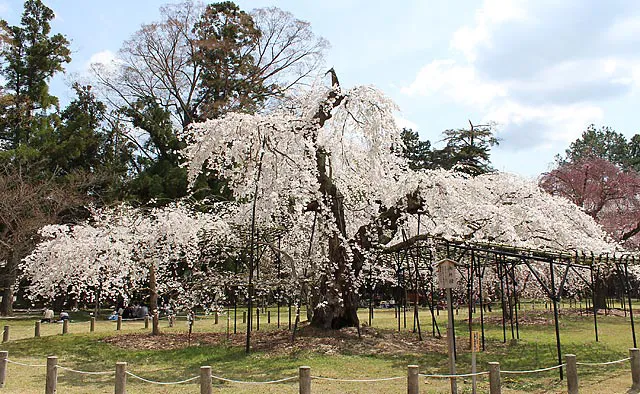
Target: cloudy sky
543, 70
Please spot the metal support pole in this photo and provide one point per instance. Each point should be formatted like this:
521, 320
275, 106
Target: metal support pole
595, 310
628, 289
556, 318
480, 277
450, 339
504, 312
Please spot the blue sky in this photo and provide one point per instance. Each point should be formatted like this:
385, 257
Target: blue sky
543, 70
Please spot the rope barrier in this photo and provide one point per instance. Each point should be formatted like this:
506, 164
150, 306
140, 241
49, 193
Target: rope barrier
247, 382
463, 375
162, 383
534, 370
441, 376
358, 380
85, 372
607, 363
26, 365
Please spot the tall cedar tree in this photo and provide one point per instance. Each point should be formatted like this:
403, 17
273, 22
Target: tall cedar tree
468, 150
30, 56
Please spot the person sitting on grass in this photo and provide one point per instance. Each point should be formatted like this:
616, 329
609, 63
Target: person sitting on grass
64, 316
48, 316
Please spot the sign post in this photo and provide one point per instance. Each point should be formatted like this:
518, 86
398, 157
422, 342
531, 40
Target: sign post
475, 347
447, 280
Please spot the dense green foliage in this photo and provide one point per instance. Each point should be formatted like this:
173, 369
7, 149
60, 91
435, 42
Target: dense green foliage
604, 143
466, 150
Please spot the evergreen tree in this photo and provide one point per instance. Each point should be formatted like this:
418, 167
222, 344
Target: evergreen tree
417, 152
604, 143
31, 55
79, 140
226, 35
467, 150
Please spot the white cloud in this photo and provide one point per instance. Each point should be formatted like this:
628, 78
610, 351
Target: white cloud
458, 82
493, 13
104, 57
104, 60
521, 126
625, 29
404, 123
542, 69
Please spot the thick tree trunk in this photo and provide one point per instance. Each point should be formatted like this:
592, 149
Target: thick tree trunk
336, 298
8, 281
338, 306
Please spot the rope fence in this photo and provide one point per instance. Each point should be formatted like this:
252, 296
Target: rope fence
249, 382
358, 380
534, 370
622, 360
162, 383
462, 375
84, 372
305, 378
26, 365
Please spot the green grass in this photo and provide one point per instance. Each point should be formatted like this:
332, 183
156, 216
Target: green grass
536, 349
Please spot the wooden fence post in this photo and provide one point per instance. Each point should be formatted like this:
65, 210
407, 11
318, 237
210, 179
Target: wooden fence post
494, 378
268, 317
413, 384
121, 378
572, 374
215, 318
146, 322
92, 324
205, 380
4, 355
36, 333
244, 317
305, 380
5, 334
65, 327
634, 354
119, 323
51, 385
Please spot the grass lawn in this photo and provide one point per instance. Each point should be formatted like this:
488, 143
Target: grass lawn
380, 353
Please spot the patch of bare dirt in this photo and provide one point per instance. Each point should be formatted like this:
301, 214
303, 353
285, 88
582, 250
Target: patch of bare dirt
344, 341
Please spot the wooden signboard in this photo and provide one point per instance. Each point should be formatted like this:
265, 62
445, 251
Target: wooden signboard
447, 274
476, 344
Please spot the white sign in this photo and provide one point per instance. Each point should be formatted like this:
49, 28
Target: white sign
447, 274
